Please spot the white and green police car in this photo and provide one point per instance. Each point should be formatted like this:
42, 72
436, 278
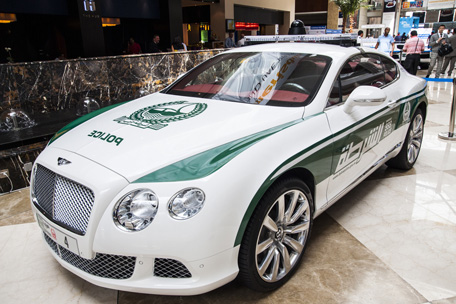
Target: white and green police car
221, 174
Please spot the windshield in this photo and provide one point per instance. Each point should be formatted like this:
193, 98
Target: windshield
277, 79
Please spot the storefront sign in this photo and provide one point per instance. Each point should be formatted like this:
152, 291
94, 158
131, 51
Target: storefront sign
413, 4
406, 24
436, 4
390, 6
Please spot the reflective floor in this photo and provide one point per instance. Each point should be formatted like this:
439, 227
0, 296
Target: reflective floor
390, 240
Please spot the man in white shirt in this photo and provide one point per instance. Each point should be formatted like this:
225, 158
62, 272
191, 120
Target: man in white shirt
241, 42
385, 42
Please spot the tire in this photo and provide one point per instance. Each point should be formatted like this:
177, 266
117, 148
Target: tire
412, 144
276, 236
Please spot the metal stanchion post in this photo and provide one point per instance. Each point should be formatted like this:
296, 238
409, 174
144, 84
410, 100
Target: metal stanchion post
450, 134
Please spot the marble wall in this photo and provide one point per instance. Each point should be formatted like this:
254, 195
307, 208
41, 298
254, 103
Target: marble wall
51, 86
51, 93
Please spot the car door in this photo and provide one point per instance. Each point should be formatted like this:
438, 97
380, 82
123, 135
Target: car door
360, 136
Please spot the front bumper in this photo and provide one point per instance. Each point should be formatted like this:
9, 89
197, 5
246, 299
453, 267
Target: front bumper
145, 274
170, 257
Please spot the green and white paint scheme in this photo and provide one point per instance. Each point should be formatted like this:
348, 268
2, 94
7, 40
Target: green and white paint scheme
233, 152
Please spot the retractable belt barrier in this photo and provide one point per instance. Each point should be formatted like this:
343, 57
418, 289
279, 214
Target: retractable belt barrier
450, 134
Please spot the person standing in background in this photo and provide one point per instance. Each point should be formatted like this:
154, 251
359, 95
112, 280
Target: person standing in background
385, 42
435, 42
451, 57
153, 46
178, 45
229, 42
413, 46
241, 41
404, 37
133, 47
360, 36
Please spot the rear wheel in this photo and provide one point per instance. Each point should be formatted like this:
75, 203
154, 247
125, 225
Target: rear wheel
276, 236
412, 145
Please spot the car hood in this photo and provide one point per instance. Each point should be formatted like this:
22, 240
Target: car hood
146, 134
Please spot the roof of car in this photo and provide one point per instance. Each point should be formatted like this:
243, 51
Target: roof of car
330, 50
333, 51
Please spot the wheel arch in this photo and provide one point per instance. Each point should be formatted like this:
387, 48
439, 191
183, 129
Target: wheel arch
423, 107
298, 172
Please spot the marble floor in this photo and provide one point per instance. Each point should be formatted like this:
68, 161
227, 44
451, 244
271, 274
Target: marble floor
390, 240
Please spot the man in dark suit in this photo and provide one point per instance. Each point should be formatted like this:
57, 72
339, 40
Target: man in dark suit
435, 42
153, 46
451, 57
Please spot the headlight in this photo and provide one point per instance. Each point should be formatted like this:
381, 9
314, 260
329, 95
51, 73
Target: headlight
136, 210
186, 203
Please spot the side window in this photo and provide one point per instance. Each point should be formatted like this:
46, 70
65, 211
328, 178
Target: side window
343, 85
374, 64
334, 96
366, 70
390, 69
359, 70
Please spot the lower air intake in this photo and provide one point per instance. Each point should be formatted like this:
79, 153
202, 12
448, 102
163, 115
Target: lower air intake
169, 268
103, 265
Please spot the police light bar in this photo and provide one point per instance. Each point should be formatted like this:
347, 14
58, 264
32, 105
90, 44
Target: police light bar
301, 38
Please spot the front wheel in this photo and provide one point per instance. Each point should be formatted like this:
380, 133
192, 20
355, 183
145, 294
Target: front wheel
276, 236
412, 145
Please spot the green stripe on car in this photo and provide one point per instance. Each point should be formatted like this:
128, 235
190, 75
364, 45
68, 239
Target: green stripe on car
207, 162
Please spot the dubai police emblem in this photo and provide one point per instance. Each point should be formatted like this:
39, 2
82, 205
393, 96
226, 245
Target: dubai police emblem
158, 116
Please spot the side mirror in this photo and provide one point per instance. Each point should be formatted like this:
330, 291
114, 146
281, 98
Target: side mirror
364, 96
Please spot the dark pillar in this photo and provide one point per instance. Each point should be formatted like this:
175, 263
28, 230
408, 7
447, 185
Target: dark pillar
91, 28
170, 21
175, 18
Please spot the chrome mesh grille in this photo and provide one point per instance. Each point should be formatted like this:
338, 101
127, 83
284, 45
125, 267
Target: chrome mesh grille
103, 265
64, 200
51, 243
44, 188
169, 268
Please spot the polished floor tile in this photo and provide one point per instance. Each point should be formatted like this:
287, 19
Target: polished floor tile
392, 239
15, 208
29, 274
408, 222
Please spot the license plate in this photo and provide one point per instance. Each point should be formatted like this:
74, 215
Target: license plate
58, 236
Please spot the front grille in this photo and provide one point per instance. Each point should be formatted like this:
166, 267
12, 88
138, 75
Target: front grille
169, 268
103, 265
65, 201
51, 243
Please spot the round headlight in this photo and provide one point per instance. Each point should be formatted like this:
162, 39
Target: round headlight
186, 203
136, 210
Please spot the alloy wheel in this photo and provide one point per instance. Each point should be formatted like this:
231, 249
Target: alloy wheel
282, 235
